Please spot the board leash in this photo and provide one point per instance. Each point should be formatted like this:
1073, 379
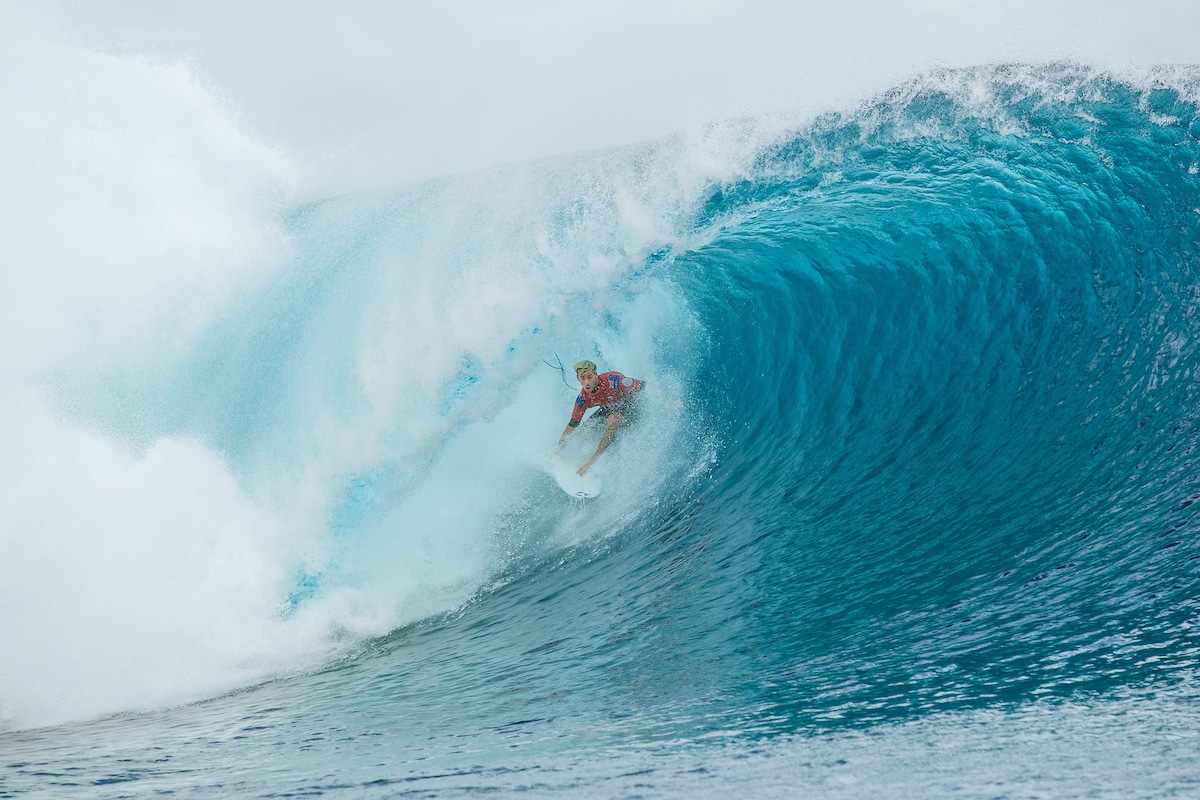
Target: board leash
561, 369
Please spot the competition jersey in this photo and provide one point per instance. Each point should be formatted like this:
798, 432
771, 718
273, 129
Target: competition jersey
613, 388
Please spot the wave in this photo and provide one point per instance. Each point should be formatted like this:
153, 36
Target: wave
922, 437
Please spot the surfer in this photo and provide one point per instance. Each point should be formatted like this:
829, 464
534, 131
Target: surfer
617, 397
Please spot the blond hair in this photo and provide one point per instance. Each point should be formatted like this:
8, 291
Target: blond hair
582, 365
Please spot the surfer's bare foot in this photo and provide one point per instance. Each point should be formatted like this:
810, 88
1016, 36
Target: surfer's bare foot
583, 470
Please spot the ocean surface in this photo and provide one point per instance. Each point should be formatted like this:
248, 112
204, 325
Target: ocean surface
911, 510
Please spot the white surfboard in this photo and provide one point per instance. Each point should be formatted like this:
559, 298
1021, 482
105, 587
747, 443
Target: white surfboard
574, 484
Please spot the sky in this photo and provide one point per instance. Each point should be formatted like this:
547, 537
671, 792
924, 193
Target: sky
370, 92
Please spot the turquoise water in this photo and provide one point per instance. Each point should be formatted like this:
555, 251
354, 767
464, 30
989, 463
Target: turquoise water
913, 513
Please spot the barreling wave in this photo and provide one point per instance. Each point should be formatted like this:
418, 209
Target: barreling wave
924, 435
948, 350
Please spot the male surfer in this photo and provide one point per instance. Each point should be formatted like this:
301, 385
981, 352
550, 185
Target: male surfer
617, 397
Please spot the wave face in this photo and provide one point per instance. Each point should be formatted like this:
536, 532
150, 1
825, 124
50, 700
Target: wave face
920, 466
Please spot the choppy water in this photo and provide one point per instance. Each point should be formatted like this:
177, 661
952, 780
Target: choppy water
913, 511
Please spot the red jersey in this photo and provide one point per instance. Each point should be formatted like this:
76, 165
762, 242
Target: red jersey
613, 388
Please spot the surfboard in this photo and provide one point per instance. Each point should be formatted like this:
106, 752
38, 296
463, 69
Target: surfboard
574, 484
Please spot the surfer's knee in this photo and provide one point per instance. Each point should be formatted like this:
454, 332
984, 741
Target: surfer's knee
615, 420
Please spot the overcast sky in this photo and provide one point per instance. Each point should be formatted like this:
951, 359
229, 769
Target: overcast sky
368, 91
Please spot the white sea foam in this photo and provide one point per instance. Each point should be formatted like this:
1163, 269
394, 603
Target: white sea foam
133, 208
146, 550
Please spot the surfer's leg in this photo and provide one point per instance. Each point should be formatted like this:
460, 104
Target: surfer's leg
615, 420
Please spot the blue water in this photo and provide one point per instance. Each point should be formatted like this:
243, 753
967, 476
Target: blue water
914, 515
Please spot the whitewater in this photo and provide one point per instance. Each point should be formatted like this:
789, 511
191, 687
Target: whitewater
911, 510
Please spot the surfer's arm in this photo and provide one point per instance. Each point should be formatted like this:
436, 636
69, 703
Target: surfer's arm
577, 411
567, 431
